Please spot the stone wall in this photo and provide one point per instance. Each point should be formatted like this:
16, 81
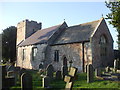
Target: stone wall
20, 32
28, 62
26, 28
87, 54
72, 52
95, 40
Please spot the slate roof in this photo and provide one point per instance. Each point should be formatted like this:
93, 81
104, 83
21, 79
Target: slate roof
40, 36
77, 33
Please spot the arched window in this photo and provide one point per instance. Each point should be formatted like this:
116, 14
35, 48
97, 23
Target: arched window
103, 46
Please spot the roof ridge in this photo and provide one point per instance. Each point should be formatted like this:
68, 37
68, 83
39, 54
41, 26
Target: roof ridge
89, 22
85, 23
51, 26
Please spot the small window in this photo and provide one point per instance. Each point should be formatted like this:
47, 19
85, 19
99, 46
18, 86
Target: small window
34, 53
23, 54
56, 56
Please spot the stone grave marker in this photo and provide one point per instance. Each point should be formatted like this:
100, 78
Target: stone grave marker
107, 69
10, 68
58, 75
73, 71
45, 82
50, 71
41, 66
71, 75
90, 74
69, 86
116, 64
98, 72
10, 74
64, 71
26, 81
68, 78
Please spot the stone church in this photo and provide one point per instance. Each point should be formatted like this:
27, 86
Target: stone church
78, 45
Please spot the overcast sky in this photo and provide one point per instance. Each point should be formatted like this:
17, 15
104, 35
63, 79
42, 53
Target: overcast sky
53, 13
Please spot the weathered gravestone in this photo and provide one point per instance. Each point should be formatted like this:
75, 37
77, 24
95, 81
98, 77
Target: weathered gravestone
41, 66
10, 68
26, 81
98, 72
64, 71
50, 71
71, 75
70, 78
11, 77
69, 86
107, 69
45, 82
10, 74
90, 74
73, 71
58, 75
116, 64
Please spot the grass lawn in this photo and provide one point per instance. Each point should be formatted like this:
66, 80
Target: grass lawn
79, 83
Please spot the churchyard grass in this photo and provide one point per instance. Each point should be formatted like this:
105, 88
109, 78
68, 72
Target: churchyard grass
79, 83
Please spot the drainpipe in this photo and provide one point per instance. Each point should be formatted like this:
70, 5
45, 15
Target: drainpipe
83, 57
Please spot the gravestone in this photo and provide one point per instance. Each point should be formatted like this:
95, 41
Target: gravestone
73, 71
98, 72
90, 74
22, 71
69, 86
116, 64
12, 77
107, 69
68, 78
58, 75
10, 68
45, 82
71, 75
10, 74
50, 71
26, 81
64, 71
41, 66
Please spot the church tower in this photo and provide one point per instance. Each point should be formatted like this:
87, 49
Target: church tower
25, 29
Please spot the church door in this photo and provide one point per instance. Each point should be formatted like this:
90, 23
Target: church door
64, 61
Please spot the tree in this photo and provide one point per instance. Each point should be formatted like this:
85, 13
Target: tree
9, 44
114, 17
